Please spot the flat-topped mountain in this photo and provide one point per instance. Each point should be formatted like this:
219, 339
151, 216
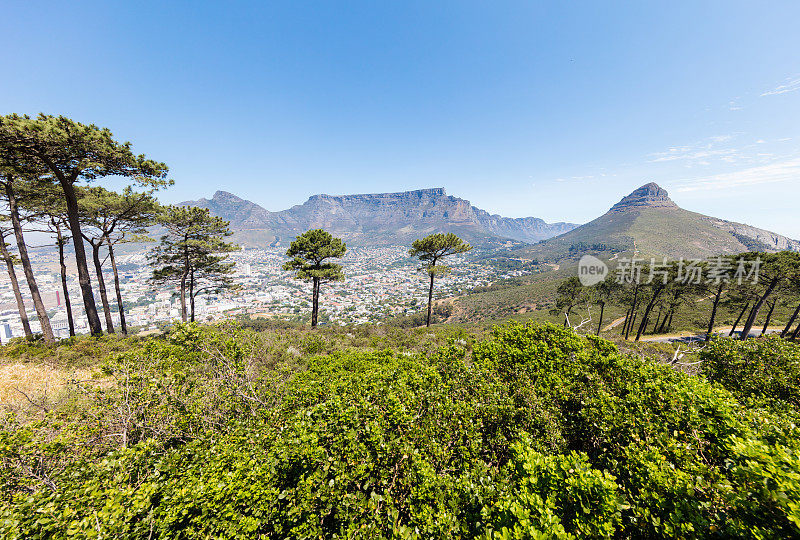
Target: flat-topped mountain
649, 223
376, 219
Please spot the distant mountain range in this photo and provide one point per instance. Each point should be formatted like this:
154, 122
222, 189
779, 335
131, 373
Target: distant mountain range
649, 223
376, 219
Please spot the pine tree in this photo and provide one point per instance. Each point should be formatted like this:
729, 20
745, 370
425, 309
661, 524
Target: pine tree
431, 250
192, 248
310, 253
72, 152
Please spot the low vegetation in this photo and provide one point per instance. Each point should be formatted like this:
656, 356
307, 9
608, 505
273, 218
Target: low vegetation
530, 431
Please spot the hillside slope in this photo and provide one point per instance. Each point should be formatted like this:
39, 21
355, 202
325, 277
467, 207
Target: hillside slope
648, 222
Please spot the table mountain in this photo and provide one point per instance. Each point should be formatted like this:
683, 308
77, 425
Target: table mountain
376, 219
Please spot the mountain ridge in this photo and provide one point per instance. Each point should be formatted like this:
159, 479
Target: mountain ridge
377, 218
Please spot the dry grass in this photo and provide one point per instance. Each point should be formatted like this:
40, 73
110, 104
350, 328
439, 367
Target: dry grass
28, 385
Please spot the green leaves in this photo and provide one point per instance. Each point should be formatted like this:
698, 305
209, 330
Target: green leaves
74, 151
194, 243
435, 247
309, 252
539, 433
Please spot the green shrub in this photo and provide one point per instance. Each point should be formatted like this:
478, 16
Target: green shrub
759, 372
534, 432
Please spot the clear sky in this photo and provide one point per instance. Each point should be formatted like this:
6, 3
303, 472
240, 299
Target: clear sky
547, 109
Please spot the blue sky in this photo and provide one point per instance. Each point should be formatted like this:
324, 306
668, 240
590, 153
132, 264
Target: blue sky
548, 109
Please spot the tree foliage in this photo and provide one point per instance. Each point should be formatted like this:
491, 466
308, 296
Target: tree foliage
310, 253
71, 152
194, 248
431, 251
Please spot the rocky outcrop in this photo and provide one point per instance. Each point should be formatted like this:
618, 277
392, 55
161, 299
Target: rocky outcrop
763, 239
648, 196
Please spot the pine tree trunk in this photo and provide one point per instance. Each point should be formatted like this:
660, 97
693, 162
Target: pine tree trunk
754, 312
186, 269
12, 276
315, 303
85, 282
739, 318
633, 310
633, 321
791, 321
600, 322
64, 285
658, 318
41, 312
666, 318
183, 296
769, 316
122, 322
646, 314
191, 296
101, 285
714, 310
430, 303
625, 322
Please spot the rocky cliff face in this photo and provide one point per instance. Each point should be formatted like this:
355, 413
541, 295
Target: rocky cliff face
648, 196
763, 239
381, 218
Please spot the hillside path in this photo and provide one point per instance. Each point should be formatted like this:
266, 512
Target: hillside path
614, 324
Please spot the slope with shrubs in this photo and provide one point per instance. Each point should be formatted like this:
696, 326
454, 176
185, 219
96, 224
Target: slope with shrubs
534, 432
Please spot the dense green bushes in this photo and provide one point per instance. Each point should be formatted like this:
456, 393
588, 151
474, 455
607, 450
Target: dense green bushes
533, 433
760, 373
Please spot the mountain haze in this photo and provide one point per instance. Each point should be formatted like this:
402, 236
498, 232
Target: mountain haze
649, 222
376, 219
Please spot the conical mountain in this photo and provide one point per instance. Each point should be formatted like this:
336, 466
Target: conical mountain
648, 223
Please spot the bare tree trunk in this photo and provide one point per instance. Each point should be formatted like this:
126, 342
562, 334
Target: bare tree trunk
667, 318
600, 322
714, 310
101, 285
12, 276
754, 312
796, 332
791, 321
41, 312
658, 317
122, 322
183, 296
769, 316
625, 323
80, 257
315, 303
430, 303
64, 286
646, 315
633, 321
633, 310
739, 318
191, 295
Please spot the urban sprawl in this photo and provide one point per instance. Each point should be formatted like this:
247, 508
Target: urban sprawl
380, 282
